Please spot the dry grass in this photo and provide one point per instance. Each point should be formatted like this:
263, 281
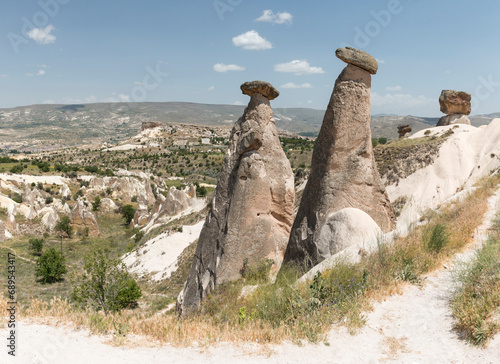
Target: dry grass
282, 311
476, 301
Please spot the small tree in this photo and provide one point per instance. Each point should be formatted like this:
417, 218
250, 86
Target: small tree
50, 266
36, 246
64, 226
128, 213
382, 140
105, 284
96, 204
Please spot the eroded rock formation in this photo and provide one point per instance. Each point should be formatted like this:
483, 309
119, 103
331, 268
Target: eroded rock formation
457, 105
82, 219
252, 211
343, 169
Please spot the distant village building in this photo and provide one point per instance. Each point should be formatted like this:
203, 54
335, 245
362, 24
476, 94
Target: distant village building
205, 140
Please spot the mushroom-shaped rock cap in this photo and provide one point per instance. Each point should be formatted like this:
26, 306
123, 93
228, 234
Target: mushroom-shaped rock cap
261, 87
358, 58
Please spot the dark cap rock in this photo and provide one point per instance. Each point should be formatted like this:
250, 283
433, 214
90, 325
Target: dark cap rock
261, 87
358, 58
455, 102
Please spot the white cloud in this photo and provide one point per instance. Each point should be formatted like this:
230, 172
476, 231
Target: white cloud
394, 88
251, 40
238, 103
400, 100
448, 72
42, 66
221, 67
268, 16
298, 68
42, 35
211, 88
4, 75
117, 98
41, 73
381, 61
293, 85
67, 100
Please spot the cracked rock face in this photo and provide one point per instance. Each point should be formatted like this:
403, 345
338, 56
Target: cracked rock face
455, 102
343, 171
252, 211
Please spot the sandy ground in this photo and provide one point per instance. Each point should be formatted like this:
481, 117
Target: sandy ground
414, 327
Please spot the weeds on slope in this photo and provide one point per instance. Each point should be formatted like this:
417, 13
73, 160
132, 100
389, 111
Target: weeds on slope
284, 310
476, 301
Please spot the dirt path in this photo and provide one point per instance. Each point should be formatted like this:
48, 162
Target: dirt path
415, 327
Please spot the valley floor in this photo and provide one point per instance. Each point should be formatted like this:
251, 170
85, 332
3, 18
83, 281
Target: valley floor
414, 327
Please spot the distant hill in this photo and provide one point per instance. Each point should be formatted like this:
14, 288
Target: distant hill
66, 125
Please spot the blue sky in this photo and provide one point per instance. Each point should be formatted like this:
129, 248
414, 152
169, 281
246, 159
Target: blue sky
79, 51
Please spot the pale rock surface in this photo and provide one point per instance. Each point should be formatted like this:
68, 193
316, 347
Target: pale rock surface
344, 229
29, 197
11, 224
343, 170
175, 202
50, 219
252, 211
62, 207
108, 205
124, 188
454, 119
81, 218
64, 191
28, 212
467, 155
7, 203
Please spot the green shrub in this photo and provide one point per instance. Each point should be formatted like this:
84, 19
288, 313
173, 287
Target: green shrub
375, 142
64, 226
258, 271
128, 213
476, 301
382, 140
36, 246
435, 238
96, 204
18, 168
17, 197
105, 284
50, 267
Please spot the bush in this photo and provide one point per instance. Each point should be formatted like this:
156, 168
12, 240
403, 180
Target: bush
476, 301
36, 246
375, 142
128, 213
382, 140
64, 226
201, 191
18, 168
257, 272
96, 204
49, 200
105, 284
17, 197
435, 238
50, 266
